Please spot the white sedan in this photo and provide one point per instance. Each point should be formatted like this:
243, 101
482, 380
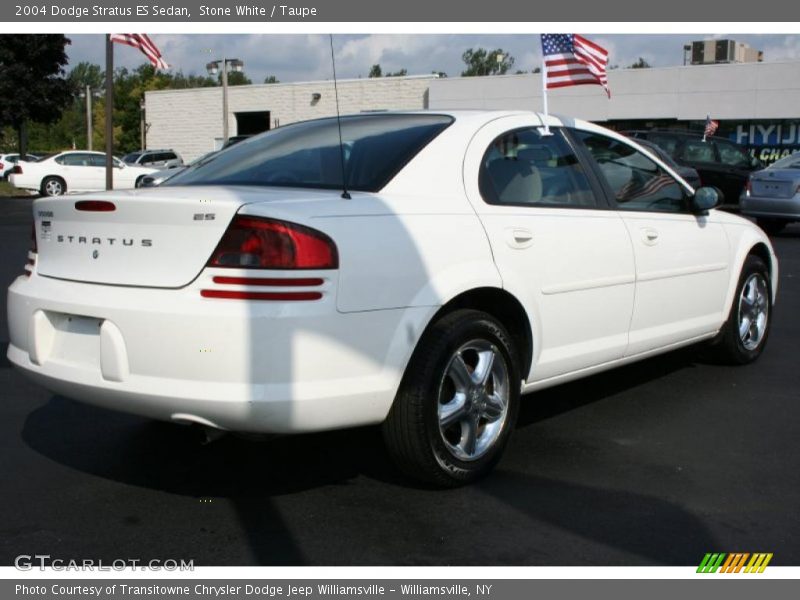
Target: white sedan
473, 257
74, 171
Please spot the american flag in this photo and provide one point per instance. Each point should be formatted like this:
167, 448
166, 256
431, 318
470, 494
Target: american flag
635, 188
571, 59
711, 127
143, 43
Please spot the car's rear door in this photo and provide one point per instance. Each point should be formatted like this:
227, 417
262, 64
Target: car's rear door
682, 259
558, 246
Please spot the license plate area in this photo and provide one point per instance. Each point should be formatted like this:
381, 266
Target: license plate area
76, 339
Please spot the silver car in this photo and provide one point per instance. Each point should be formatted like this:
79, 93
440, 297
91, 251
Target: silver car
772, 195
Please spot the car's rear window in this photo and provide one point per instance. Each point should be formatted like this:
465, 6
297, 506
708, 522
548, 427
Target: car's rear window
308, 154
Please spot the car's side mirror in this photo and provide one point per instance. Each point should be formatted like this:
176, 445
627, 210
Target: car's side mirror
705, 198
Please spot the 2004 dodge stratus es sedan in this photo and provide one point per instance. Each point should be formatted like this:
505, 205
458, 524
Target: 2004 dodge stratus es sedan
475, 256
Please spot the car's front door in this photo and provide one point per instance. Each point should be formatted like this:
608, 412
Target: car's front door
682, 264
558, 246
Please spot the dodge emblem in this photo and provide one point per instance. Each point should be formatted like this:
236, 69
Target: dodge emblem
95, 254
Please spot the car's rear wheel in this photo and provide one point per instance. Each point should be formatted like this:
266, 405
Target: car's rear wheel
53, 186
744, 335
458, 401
771, 226
139, 181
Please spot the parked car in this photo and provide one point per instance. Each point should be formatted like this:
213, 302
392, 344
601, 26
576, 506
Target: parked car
772, 195
471, 258
719, 162
7, 162
74, 171
156, 159
689, 174
159, 177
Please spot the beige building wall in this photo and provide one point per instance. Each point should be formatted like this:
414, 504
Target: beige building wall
190, 121
725, 91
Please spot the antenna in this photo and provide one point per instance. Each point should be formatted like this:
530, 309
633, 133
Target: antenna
345, 193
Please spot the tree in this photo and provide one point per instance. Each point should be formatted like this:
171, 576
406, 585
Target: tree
640, 64
84, 74
32, 82
400, 73
375, 71
484, 62
271, 79
236, 78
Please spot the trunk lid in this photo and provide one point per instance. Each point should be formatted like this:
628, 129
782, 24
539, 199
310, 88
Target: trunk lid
158, 237
775, 183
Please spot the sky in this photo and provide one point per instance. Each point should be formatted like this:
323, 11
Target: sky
300, 57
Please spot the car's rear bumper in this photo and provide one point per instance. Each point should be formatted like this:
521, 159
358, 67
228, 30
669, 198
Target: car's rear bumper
239, 365
775, 208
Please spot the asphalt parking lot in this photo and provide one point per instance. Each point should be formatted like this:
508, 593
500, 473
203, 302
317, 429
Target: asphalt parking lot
652, 464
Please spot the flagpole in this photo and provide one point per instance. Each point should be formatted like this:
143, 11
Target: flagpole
109, 113
544, 93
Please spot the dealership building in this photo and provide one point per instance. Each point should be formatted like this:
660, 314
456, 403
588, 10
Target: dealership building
757, 104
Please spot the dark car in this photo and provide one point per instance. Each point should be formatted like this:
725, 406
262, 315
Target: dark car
690, 175
719, 162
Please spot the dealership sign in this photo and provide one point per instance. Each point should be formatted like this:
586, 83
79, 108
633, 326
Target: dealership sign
770, 141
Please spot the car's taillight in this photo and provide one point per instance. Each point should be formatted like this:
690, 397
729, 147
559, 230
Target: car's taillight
748, 186
259, 243
32, 252
17, 170
1, 166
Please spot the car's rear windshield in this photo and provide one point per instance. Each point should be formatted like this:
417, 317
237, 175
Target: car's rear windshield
787, 162
308, 155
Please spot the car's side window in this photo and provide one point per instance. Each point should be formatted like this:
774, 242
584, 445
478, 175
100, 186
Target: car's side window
637, 182
667, 143
695, 151
75, 160
524, 167
732, 155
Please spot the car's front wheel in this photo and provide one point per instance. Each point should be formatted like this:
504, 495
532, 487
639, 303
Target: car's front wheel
744, 335
458, 401
53, 186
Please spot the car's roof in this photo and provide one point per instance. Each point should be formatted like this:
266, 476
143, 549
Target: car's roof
682, 134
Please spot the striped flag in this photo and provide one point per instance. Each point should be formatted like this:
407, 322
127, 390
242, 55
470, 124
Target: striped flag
711, 127
635, 189
143, 43
571, 59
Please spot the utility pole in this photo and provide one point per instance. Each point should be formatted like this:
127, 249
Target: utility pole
109, 113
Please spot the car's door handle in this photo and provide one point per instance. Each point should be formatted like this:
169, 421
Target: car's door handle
649, 236
519, 238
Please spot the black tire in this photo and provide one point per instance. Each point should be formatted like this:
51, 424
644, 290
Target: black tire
771, 226
139, 181
729, 347
412, 432
53, 186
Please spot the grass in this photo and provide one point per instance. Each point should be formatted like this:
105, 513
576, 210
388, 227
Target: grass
8, 190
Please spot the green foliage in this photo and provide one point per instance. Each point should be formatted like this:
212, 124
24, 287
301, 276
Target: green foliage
32, 82
236, 78
400, 73
271, 79
640, 64
375, 71
485, 62
69, 131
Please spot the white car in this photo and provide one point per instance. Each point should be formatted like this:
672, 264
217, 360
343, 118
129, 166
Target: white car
74, 171
475, 256
7, 162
